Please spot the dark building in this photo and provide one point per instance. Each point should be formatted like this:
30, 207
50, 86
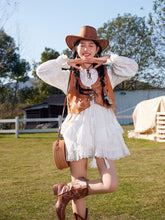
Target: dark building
52, 107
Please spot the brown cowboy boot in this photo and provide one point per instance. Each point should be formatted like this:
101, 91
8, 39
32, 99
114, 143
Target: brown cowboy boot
78, 217
74, 190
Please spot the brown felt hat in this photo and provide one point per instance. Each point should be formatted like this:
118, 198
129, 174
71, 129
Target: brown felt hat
86, 33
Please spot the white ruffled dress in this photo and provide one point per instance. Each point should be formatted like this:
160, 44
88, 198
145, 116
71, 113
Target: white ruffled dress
94, 132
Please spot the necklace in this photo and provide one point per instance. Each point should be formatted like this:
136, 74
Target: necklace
88, 73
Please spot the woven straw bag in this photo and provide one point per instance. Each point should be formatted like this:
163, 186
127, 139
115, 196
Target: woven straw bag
59, 154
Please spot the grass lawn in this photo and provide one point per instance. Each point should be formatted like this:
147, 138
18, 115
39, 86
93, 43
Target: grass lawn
27, 174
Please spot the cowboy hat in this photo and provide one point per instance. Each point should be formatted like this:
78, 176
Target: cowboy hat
86, 33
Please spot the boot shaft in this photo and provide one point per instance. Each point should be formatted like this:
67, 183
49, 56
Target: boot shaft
74, 190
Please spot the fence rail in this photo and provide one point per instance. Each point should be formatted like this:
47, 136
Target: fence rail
17, 121
17, 129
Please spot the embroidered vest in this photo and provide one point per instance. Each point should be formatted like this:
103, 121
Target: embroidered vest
78, 102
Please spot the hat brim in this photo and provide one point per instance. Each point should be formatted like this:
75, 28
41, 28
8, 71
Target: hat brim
72, 39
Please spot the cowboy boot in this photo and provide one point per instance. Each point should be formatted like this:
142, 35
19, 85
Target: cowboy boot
78, 217
74, 190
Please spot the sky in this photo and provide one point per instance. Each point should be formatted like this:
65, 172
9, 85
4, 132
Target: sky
36, 24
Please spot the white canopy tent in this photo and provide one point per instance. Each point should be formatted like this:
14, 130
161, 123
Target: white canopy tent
145, 118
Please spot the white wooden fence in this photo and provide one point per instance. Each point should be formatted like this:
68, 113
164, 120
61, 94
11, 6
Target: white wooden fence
17, 122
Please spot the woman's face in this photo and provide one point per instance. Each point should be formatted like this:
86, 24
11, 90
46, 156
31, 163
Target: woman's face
87, 48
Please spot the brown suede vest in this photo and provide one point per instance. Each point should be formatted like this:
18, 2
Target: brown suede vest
78, 102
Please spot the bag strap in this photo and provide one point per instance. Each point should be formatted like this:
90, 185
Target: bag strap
63, 111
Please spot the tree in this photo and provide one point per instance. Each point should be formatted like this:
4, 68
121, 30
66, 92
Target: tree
43, 90
7, 8
7, 45
158, 20
18, 74
131, 37
13, 70
48, 54
67, 52
157, 23
7, 54
27, 94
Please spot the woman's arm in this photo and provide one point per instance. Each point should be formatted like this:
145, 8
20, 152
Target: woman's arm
122, 68
51, 72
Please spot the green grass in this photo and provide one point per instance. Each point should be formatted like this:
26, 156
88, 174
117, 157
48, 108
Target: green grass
27, 174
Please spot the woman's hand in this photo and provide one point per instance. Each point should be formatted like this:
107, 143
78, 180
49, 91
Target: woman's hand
99, 61
74, 62
87, 60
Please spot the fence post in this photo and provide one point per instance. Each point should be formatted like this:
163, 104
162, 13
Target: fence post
59, 121
16, 127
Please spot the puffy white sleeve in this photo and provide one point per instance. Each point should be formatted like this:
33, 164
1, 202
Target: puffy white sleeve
122, 68
51, 72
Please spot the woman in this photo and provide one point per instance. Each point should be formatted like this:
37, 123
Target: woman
90, 129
